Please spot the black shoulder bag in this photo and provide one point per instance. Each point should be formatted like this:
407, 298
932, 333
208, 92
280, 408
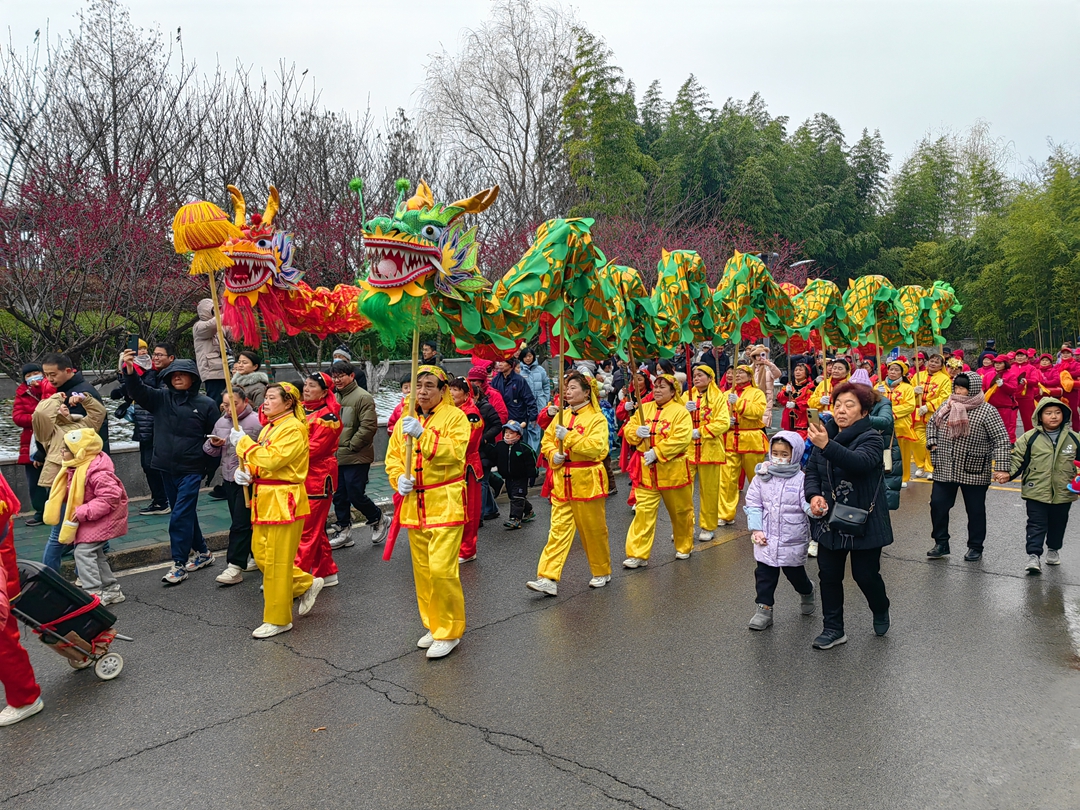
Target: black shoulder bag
846, 519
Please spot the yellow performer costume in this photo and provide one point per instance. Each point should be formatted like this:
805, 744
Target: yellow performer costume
578, 491
667, 480
902, 397
745, 442
711, 419
434, 512
937, 388
278, 463
824, 388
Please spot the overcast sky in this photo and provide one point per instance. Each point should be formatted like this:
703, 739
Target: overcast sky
905, 67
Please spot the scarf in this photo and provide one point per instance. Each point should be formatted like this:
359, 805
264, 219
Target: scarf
955, 414
144, 361
85, 444
767, 469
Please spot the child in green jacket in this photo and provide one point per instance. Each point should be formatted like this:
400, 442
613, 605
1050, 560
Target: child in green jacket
1044, 458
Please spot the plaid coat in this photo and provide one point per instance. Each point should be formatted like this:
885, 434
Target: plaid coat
973, 458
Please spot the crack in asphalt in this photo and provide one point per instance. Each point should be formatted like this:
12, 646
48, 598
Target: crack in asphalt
512, 744
164, 743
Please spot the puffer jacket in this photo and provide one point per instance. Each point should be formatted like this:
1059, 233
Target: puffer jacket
27, 398
144, 420
50, 426
777, 507
103, 514
539, 383
182, 419
518, 396
881, 420
1050, 467
359, 421
254, 385
249, 423
207, 348
969, 459
849, 470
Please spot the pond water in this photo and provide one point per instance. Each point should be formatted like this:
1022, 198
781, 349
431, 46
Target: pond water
386, 399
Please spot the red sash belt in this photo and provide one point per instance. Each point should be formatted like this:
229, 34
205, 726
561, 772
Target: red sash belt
442, 484
272, 482
574, 465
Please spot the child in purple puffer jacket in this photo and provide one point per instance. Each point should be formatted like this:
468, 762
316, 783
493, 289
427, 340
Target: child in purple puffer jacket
777, 515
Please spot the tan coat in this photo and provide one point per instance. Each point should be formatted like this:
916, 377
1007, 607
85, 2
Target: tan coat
50, 424
207, 349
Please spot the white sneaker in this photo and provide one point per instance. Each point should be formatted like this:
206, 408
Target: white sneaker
929, 476
330, 581
680, 556
307, 600
705, 537
443, 647
251, 564
903, 485
919, 473
466, 559
380, 530
599, 582
11, 715
343, 539
268, 630
114, 596
548, 587
1033, 566
425, 641
232, 575
1053, 556
634, 562
723, 522
811, 550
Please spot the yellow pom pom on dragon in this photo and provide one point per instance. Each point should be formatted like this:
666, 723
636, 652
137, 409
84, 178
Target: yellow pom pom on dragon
424, 257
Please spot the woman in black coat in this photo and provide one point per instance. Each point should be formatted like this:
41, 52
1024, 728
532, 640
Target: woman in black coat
846, 467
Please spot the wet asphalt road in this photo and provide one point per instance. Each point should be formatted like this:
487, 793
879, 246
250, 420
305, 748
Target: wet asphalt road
649, 693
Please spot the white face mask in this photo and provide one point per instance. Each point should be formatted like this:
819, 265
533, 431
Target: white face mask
34, 379
779, 460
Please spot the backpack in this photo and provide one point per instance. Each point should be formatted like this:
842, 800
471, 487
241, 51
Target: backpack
1027, 454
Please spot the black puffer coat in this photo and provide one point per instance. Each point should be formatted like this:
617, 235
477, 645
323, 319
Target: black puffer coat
881, 420
853, 456
182, 420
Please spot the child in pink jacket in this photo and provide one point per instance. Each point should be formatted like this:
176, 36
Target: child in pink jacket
92, 505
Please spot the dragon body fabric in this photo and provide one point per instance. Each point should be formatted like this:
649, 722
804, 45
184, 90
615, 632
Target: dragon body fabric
423, 257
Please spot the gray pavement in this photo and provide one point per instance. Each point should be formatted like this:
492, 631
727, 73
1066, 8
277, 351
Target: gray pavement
649, 693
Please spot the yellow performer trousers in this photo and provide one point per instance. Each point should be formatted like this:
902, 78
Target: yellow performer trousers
568, 517
922, 455
680, 508
274, 550
708, 476
907, 452
438, 586
729, 480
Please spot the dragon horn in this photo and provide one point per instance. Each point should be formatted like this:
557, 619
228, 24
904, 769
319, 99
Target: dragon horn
273, 202
477, 202
239, 207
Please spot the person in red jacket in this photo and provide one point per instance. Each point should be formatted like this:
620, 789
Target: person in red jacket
314, 554
21, 691
461, 392
793, 398
479, 375
27, 396
1001, 382
1027, 376
1069, 370
629, 457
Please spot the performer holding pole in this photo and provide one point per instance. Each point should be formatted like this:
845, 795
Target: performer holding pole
431, 483
667, 427
575, 454
708, 408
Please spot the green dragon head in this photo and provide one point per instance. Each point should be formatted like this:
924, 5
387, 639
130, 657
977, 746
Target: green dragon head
424, 239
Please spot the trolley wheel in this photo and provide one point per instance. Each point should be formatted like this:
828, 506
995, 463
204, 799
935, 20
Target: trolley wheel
108, 666
86, 662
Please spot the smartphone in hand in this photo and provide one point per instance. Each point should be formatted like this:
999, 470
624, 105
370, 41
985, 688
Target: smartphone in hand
813, 416
133, 343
